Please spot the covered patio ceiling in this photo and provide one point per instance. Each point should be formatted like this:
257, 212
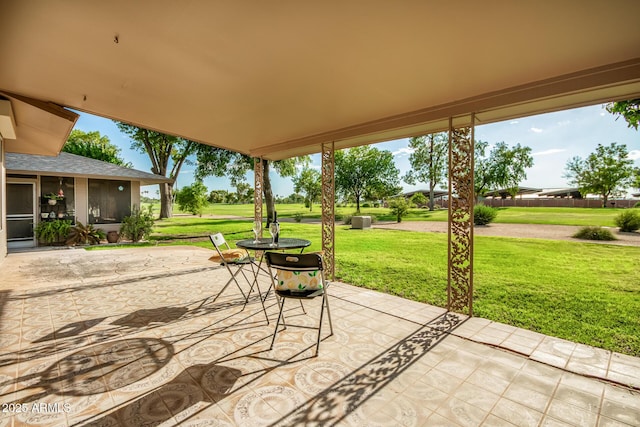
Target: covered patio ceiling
277, 79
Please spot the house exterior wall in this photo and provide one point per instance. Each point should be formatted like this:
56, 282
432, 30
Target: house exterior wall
82, 200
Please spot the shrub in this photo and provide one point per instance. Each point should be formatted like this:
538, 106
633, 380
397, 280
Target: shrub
138, 225
297, 217
82, 234
628, 220
399, 207
483, 215
637, 205
53, 231
346, 219
419, 199
193, 198
594, 233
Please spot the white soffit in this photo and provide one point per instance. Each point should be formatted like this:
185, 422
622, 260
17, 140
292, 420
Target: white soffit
7, 123
41, 127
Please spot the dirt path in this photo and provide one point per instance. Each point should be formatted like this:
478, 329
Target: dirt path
529, 231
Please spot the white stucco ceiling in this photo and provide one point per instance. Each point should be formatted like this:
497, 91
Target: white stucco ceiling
278, 78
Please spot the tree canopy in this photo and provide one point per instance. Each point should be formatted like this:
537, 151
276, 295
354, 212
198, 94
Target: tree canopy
504, 167
94, 146
212, 161
167, 154
366, 172
630, 110
606, 172
428, 162
193, 198
308, 182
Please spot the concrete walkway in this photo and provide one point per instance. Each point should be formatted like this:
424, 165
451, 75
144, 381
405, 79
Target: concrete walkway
133, 337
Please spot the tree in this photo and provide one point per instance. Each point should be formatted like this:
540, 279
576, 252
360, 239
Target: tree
605, 172
193, 198
218, 196
428, 162
419, 199
365, 171
94, 146
308, 182
167, 154
630, 110
399, 207
504, 167
220, 162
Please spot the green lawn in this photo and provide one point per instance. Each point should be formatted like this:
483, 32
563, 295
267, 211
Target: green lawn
556, 216
583, 292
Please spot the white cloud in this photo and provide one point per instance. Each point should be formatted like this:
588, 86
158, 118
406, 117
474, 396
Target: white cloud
548, 152
514, 122
634, 154
403, 151
536, 130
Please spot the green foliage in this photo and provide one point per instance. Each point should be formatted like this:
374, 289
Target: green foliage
167, 154
628, 220
53, 231
366, 172
218, 196
399, 207
504, 167
138, 225
637, 205
594, 233
308, 182
94, 146
428, 162
297, 217
419, 199
193, 198
212, 161
483, 215
630, 110
605, 172
81, 234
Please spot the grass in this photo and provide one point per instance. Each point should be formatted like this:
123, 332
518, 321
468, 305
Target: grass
510, 215
583, 292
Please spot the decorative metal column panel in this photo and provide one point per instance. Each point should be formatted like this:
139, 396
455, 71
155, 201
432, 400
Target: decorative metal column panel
328, 208
257, 190
461, 200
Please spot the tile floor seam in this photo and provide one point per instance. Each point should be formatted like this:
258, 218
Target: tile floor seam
563, 369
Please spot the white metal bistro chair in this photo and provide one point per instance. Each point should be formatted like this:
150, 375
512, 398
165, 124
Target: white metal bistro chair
301, 277
239, 258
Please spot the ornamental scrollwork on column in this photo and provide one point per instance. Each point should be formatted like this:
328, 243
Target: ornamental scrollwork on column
257, 194
461, 201
328, 208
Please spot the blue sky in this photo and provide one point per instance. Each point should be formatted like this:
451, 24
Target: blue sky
554, 139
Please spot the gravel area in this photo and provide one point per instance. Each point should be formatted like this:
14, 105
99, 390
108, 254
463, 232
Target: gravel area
529, 231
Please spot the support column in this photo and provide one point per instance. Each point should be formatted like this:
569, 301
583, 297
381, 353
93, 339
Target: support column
257, 190
328, 208
461, 201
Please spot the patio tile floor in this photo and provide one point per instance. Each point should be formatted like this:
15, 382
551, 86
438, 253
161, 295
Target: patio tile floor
134, 337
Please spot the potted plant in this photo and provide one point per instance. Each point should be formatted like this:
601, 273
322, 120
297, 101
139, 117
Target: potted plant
53, 198
51, 232
82, 234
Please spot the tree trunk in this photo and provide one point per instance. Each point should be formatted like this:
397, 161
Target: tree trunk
166, 200
605, 199
267, 191
431, 193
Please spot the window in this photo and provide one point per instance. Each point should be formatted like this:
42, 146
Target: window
109, 201
57, 198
